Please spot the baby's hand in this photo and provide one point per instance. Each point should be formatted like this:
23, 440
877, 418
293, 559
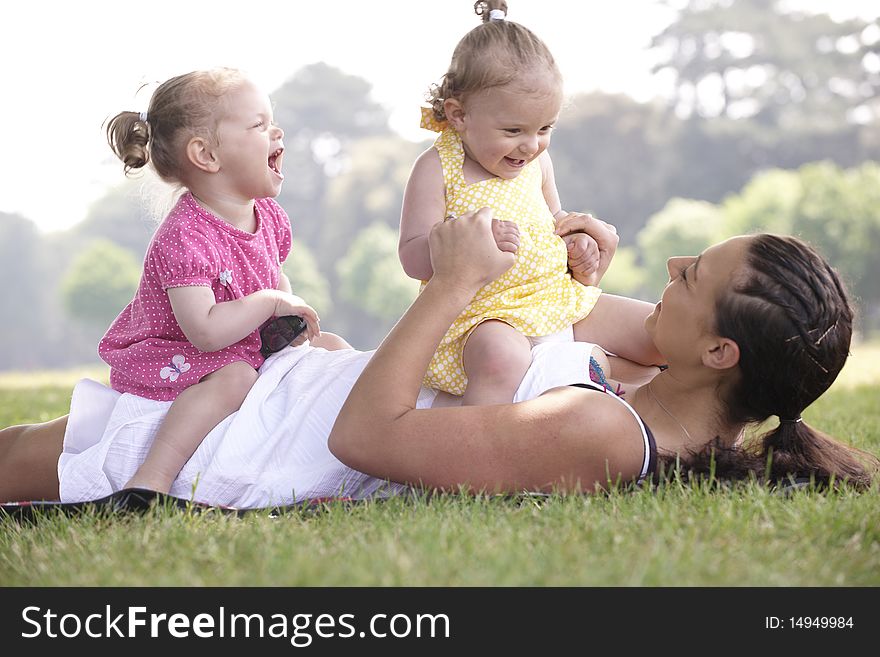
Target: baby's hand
583, 257
506, 234
290, 304
603, 233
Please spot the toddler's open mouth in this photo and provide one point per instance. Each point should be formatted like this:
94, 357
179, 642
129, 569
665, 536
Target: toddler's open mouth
275, 162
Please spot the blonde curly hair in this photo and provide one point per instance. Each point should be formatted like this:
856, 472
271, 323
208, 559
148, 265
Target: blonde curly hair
493, 54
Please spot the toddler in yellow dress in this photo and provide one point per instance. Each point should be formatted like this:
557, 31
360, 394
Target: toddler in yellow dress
495, 110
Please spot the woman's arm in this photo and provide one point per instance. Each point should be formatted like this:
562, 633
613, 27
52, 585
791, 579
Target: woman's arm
532, 445
603, 234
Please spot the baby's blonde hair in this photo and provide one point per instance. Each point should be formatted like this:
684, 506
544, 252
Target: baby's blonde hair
492, 54
181, 108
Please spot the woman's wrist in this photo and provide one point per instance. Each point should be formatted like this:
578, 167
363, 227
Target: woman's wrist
456, 291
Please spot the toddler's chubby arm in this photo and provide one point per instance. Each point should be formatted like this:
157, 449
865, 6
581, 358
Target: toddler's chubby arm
211, 326
424, 205
591, 243
548, 185
285, 286
284, 283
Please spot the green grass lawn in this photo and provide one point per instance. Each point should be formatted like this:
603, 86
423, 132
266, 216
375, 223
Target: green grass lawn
675, 536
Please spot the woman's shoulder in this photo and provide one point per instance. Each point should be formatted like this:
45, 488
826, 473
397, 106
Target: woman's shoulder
597, 427
594, 407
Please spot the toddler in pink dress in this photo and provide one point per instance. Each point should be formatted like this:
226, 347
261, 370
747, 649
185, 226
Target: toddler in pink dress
212, 273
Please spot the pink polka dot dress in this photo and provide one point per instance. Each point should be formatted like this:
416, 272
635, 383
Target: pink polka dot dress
148, 353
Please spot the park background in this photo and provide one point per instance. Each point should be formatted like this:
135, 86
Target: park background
687, 121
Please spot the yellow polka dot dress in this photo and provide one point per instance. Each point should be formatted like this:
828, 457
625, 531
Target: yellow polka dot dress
537, 296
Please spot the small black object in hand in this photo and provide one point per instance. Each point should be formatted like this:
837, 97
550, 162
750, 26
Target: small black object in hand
280, 332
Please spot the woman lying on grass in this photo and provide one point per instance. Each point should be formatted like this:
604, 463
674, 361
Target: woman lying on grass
754, 327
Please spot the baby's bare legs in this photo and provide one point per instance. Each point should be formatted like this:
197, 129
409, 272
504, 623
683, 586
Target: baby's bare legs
29, 461
330, 341
196, 411
617, 324
496, 358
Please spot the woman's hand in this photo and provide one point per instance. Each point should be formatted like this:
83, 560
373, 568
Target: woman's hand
604, 234
464, 252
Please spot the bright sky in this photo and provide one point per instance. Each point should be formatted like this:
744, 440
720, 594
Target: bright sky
66, 66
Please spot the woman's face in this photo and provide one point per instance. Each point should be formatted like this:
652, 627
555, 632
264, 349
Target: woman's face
685, 316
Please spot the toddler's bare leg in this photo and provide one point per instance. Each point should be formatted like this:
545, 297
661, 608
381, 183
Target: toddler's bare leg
617, 324
625, 376
496, 358
29, 460
628, 372
196, 411
330, 341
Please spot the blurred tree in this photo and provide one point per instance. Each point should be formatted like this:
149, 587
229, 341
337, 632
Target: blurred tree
836, 210
23, 295
322, 110
613, 157
333, 102
839, 212
768, 203
369, 191
99, 283
373, 282
682, 227
127, 215
306, 279
624, 276
753, 58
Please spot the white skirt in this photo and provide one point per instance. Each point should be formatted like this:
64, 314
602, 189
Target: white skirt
273, 451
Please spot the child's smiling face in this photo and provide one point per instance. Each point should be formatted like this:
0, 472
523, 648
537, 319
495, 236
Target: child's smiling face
505, 128
250, 143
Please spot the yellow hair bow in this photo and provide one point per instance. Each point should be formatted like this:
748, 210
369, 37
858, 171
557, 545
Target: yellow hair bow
430, 122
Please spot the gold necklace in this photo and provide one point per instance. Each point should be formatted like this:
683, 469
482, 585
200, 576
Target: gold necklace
666, 410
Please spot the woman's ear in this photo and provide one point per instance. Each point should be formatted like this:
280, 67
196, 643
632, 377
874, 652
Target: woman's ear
721, 354
454, 111
202, 156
